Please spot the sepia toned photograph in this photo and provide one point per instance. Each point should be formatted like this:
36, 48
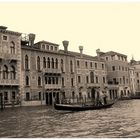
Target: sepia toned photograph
69, 69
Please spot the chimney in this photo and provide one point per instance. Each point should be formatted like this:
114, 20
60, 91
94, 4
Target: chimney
65, 44
81, 50
31, 39
98, 52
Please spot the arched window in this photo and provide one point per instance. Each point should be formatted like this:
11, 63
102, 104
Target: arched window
71, 66
5, 72
52, 63
27, 81
53, 80
44, 62
56, 80
92, 77
13, 72
56, 63
49, 80
38, 63
26, 62
48, 62
39, 81
12, 47
62, 65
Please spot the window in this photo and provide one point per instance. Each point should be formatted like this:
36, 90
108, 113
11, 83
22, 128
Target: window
27, 81
5, 72
122, 68
87, 80
104, 80
138, 81
44, 62
39, 95
4, 37
57, 80
52, 48
95, 65
13, 73
13, 95
137, 74
27, 96
55, 48
113, 68
12, 47
79, 79
43, 46
47, 47
91, 64
52, 63
96, 79
63, 82
106, 58
48, 62
46, 80
78, 63
38, 63
6, 96
102, 66
53, 80
56, 61
91, 77
86, 64
73, 95
71, 66
49, 80
62, 65
123, 79
72, 82
114, 80
39, 81
26, 62
119, 68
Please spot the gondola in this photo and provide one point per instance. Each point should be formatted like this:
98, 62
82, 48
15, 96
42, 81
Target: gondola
69, 107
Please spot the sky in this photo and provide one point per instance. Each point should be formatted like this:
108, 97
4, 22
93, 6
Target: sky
109, 26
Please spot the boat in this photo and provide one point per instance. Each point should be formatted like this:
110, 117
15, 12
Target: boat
70, 107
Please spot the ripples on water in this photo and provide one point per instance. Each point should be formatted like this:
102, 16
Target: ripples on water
122, 120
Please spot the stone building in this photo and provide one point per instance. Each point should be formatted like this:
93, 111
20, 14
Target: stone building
10, 65
117, 73
136, 66
39, 73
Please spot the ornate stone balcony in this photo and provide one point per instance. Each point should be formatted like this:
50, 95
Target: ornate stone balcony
52, 86
9, 82
9, 56
51, 71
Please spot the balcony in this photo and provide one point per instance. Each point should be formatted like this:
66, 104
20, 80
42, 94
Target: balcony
9, 82
51, 71
9, 56
50, 86
93, 85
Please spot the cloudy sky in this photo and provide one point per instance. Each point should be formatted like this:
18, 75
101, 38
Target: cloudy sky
105, 25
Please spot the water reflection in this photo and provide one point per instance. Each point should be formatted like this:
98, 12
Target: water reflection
122, 120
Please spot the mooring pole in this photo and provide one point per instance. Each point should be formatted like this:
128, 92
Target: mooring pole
1, 101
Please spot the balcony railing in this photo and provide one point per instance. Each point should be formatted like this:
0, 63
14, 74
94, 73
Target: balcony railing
9, 56
48, 70
9, 82
50, 86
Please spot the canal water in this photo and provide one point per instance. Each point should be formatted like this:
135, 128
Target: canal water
122, 120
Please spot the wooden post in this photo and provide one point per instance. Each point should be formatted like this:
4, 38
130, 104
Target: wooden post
1, 101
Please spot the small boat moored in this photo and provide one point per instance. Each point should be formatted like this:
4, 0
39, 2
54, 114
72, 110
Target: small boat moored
70, 107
